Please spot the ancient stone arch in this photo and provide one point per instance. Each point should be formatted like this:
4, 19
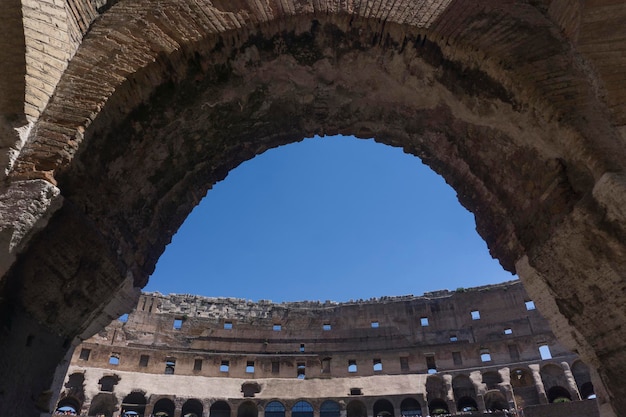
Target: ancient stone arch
135, 109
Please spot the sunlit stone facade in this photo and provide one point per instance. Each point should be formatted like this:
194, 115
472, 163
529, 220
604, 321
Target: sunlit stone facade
469, 351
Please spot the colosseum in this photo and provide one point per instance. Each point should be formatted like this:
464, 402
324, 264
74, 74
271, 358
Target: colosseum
475, 352
117, 117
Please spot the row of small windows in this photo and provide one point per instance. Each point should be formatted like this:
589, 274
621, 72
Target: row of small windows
377, 365
277, 327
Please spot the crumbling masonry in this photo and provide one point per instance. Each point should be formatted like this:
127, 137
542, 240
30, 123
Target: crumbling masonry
470, 352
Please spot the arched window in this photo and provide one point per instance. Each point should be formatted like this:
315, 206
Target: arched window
466, 404
383, 408
248, 409
68, 404
492, 379
558, 394
438, 407
410, 407
302, 409
164, 408
330, 409
521, 378
495, 400
192, 408
463, 387
219, 409
103, 404
356, 408
274, 409
135, 401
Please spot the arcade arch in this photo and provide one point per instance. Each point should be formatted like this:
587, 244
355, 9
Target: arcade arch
206, 83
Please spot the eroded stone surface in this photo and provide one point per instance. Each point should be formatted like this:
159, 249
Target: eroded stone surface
519, 106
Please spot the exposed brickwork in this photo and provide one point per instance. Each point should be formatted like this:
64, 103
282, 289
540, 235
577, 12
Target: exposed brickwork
519, 105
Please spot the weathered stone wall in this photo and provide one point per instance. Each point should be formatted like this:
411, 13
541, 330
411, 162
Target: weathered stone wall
137, 108
177, 346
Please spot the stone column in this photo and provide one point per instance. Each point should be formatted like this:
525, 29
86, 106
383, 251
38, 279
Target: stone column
450, 393
571, 381
541, 390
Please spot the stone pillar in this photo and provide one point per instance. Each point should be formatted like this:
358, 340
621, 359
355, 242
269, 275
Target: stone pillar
541, 390
450, 393
571, 382
178, 410
479, 387
505, 374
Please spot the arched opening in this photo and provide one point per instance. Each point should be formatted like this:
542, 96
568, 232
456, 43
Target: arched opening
103, 404
495, 400
302, 409
192, 408
68, 406
330, 408
164, 408
524, 387
383, 408
247, 409
435, 388
410, 407
587, 392
558, 394
553, 376
321, 218
134, 402
556, 183
466, 404
463, 387
356, 408
580, 371
438, 407
492, 379
220, 409
274, 409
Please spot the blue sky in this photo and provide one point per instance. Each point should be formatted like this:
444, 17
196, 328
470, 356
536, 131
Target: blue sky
333, 218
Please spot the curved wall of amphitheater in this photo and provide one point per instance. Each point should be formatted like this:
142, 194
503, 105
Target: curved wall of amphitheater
474, 351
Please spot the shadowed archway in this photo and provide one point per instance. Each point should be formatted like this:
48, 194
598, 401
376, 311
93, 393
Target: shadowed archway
130, 142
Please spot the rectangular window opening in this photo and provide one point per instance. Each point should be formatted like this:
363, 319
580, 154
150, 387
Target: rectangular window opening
228, 325
197, 364
431, 365
84, 354
178, 323
326, 365
170, 365
326, 326
456, 358
544, 351
485, 356
275, 367
475, 315
530, 305
250, 367
352, 366
302, 347
514, 352
277, 327
377, 365
424, 321
404, 363
508, 331
143, 361
356, 391
454, 338
114, 359
301, 370
375, 325
224, 366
